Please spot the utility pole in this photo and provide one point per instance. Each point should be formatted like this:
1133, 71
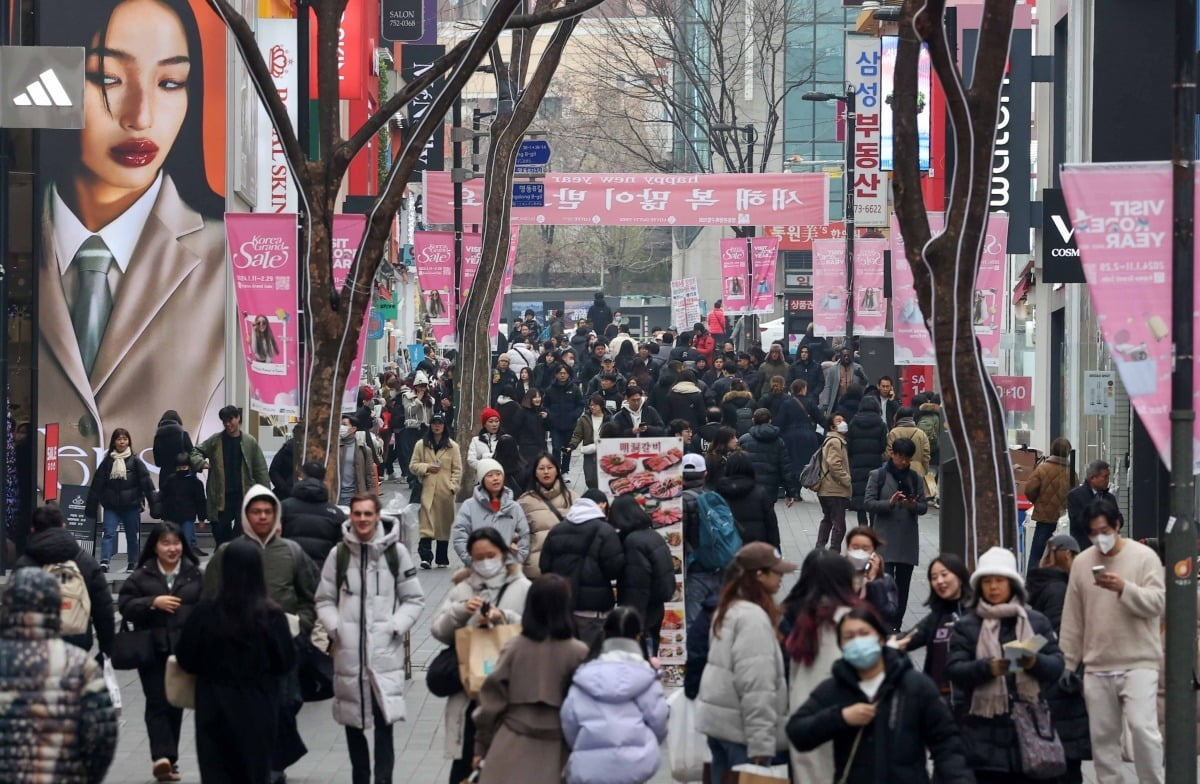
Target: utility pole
1180, 750
6, 32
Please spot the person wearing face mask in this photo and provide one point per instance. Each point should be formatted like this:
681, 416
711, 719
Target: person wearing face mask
881, 714
356, 464
986, 685
949, 596
1110, 625
835, 487
895, 496
491, 591
871, 580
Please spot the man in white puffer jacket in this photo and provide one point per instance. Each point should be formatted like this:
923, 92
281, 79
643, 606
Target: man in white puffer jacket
367, 616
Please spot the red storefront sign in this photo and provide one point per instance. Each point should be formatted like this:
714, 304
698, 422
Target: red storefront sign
50, 463
915, 380
356, 45
1016, 392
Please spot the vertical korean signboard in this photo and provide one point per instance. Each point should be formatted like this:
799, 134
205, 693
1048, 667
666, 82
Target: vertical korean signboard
275, 190
685, 302
870, 184
650, 470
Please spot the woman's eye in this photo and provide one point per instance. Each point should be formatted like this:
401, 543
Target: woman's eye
103, 80
173, 84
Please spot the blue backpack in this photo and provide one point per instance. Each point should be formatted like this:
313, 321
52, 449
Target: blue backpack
719, 536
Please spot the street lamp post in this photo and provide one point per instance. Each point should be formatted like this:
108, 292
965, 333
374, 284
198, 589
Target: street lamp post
850, 99
751, 133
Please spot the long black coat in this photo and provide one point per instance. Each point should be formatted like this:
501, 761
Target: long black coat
796, 423
909, 718
136, 601
752, 509
1047, 589
648, 579
813, 373
992, 742
237, 692
866, 441
589, 555
772, 462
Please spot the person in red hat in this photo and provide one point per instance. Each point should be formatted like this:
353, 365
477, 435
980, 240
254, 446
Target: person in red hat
483, 446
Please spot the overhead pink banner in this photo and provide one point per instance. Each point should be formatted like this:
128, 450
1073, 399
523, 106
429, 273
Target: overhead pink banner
734, 260
347, 235
263, 251
765, 252
829, 287
1122, 221
870, 308
649, 200
988, 301
911, 342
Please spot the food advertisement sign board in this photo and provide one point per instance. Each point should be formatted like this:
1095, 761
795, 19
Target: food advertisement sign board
651, 471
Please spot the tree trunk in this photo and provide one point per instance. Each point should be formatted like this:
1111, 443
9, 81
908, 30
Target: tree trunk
945, 269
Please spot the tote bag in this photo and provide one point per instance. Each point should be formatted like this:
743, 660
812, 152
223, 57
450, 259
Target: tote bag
478, 651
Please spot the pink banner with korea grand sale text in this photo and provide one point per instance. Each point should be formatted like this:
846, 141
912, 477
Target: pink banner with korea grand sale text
649, 200
734, 259
765, 253
870, 308
433, 252
1122, 221
829, 287
263, 251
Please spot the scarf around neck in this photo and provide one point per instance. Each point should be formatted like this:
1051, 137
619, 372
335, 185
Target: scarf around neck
991, 699
118, 467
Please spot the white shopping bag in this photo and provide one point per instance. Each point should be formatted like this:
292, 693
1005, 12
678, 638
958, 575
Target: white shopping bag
759, 774
687, 748
110, 680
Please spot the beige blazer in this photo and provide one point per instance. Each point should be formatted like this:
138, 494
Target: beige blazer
163, 346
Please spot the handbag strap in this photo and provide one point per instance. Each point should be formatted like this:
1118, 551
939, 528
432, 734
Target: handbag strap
850, 760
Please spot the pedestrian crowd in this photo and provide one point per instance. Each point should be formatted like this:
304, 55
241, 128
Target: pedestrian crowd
552, 625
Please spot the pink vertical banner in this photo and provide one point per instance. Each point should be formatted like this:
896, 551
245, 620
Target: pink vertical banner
347, 237
829, 287
263, 249
870, 308
912, 344
1122, 221
989, 298
433, 254
472, 256
734, 268
506, 284
765, 252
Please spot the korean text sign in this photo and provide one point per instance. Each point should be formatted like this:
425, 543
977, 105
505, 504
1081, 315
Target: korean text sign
863, 66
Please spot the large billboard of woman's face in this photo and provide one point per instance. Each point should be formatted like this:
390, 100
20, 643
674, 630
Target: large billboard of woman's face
131, 276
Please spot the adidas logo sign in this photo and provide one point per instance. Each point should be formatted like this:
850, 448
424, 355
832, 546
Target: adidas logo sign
46, 91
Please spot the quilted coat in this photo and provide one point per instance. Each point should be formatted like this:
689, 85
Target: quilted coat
57, 723
367, 618
543, 510
614, 718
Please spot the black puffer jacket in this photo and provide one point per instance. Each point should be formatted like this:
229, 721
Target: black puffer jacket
753, 510
866, 441
992, 742
909, 718
147, 583
123, 494
589, 554
685, 401
564, 405
55, 545
1047, 589
813, 373
311, 521
283, 469
648, 579
772, 462
169, 440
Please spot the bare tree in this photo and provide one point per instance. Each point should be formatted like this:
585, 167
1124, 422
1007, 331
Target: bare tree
944, 269
335, 317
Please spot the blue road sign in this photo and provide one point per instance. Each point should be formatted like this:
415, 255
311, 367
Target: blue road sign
533, 152
529, 194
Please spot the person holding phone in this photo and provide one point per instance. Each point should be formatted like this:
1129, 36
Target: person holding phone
895, 495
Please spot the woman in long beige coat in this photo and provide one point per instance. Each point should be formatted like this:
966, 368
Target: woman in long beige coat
438, 465
545, 504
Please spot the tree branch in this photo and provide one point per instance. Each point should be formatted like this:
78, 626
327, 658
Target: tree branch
264, 85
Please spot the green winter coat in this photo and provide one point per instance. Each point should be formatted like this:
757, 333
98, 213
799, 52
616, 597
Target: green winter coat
254, 469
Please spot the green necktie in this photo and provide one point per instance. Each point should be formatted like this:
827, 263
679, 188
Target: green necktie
93, 300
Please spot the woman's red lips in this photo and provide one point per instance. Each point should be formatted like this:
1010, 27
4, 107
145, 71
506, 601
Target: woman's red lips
134, 153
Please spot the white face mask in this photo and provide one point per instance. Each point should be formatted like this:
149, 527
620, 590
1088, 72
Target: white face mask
1106, 542
842, 427
343, 431
489, 567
